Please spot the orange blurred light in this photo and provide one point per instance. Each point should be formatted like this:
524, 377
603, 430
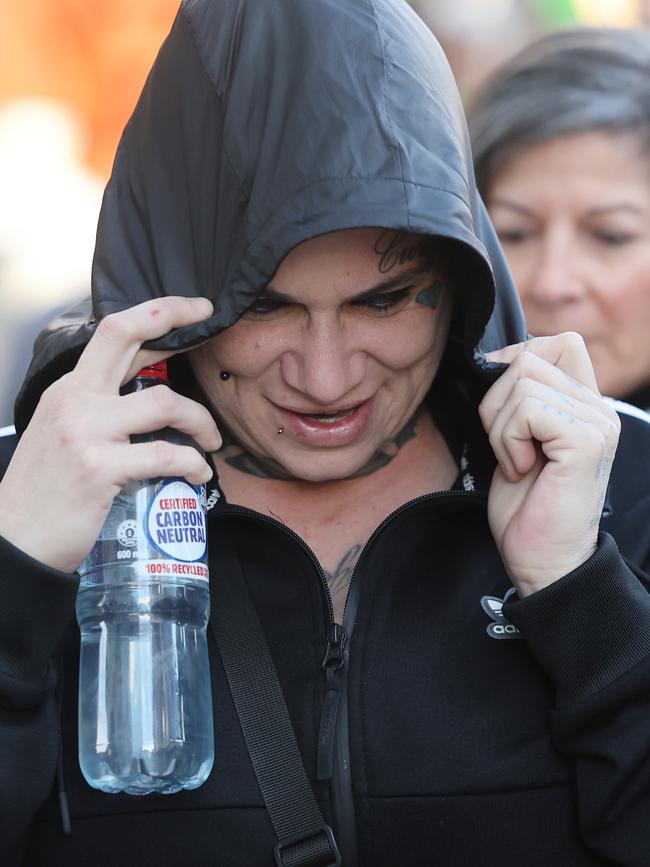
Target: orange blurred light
93, 55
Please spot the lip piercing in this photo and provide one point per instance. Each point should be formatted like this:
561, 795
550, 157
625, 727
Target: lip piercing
280, 430
224, 374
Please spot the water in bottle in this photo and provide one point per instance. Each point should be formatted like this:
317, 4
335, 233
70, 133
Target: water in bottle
145, 702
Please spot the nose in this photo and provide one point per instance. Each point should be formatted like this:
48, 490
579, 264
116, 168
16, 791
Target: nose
325, 363
556, 276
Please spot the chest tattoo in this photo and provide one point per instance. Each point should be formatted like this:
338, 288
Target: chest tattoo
339, 580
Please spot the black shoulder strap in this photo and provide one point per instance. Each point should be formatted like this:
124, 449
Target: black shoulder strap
304, 839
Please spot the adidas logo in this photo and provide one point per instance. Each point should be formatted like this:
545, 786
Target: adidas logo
213, 498
500, 627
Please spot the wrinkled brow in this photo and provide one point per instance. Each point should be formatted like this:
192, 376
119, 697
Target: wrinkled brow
400, 281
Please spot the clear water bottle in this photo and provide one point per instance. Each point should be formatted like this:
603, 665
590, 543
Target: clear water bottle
145, 701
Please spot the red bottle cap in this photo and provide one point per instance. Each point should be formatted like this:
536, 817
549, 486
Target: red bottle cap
155, 371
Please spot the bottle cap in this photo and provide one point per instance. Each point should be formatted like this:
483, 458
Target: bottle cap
155, 371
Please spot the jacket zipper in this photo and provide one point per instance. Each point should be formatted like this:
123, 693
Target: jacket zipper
332, 664
333, 753
343, 811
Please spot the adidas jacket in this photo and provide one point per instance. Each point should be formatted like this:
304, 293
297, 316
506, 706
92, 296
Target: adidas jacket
473, 734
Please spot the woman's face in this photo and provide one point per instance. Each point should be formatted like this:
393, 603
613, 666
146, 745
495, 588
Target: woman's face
573, 216
338, 352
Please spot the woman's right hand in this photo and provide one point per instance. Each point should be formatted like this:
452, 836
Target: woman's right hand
76, 454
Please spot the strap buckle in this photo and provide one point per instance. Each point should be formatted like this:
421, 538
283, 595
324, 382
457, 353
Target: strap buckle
316, 848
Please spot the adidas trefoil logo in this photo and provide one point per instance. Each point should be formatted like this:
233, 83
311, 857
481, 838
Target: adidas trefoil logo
500, 627
213, 499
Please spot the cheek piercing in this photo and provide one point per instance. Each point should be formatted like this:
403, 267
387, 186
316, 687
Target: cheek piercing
224, 374
280, 430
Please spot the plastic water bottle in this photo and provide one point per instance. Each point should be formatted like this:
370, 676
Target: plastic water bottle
145, 701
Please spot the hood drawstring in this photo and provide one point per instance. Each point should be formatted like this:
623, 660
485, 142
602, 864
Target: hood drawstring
608, 511
64, 810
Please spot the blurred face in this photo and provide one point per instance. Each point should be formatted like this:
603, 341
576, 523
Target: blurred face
338, 351
573, 215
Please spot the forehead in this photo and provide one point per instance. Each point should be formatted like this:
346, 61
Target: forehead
595, 162
351, 257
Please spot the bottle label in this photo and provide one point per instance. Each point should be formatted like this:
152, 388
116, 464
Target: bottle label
175, 522
173, 568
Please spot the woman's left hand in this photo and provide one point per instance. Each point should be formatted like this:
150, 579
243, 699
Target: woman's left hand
554, 438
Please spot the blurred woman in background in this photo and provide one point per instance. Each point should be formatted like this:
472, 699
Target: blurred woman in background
561, 139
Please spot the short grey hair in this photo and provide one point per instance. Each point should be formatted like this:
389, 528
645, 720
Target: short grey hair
568, 82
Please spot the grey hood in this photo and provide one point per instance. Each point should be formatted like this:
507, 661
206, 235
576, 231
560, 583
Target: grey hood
266, 122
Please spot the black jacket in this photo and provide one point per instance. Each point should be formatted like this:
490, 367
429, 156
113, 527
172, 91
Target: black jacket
464, 738
469, 741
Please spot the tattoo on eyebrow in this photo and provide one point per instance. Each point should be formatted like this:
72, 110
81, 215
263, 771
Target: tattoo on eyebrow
267, 468
339, 580
392, 250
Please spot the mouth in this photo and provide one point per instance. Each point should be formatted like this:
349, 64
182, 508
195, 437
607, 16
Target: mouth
328, 429
329, 418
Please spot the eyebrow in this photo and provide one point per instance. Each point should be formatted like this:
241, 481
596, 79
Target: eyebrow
616, 206
513, 206
398, 282
591, 212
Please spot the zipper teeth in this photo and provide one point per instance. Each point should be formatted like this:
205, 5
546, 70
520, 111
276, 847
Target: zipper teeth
258, 516
436, 495
344, 783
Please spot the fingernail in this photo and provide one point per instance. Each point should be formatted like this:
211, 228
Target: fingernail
204, 305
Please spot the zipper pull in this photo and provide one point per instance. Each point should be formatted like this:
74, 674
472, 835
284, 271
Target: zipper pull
333, 659
332, 663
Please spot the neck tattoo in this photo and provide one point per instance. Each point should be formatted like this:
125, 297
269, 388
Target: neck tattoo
263, 467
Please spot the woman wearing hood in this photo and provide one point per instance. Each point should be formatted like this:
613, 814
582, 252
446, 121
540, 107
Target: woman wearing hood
292, 219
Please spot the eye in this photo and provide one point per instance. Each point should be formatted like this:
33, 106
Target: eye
612, 238
514, 236
263, 306
384, 302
